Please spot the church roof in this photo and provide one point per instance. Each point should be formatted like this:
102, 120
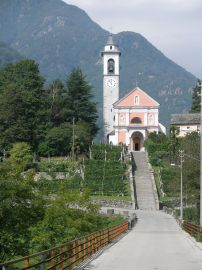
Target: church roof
144, 100
185, 119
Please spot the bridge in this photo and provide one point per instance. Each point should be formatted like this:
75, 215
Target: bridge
157, 242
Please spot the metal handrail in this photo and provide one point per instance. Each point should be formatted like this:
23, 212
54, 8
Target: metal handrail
68, 255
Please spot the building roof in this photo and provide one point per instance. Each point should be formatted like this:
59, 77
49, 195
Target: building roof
144, 100
185, 119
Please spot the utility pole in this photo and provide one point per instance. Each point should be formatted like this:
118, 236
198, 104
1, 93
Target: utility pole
181, 155
200, 85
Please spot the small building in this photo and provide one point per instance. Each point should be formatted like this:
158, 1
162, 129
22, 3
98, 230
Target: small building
186, 123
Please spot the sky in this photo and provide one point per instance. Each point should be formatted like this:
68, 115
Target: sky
172, 26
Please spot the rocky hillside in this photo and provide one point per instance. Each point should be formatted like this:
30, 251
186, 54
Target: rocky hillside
61, 36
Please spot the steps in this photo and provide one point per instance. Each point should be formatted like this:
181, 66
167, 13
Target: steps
143, 179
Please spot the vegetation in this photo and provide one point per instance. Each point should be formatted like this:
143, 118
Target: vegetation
196, 99
164, 150
44, 117
70, 44
105, 171
31, 219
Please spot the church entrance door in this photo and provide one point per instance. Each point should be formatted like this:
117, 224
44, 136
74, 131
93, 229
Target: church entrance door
136, 141
136, 144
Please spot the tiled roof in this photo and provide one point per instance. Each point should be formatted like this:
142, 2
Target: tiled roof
185, 119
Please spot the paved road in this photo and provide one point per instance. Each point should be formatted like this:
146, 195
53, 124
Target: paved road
156, 243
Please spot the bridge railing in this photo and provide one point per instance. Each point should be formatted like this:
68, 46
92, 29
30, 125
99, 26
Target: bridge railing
68, 255
192, 228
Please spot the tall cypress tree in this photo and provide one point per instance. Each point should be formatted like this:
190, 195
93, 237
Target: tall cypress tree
196, 99
79, 101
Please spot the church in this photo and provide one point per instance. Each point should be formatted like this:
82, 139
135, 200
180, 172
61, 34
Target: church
127, 120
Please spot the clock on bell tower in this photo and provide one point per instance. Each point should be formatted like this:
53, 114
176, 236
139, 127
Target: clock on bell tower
111, 57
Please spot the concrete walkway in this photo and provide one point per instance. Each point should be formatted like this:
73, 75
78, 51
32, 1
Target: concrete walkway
156, 243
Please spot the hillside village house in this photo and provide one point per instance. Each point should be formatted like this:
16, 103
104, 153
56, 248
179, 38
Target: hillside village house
127, 120
186, 123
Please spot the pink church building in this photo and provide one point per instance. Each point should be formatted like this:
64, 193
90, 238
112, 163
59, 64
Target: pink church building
127, 120
135, 115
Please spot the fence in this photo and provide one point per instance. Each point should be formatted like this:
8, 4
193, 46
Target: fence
191, 228
69, 255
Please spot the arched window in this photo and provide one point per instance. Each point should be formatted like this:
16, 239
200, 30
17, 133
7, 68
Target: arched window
111, 66
136, 120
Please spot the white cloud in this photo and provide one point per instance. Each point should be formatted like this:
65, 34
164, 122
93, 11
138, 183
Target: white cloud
173, 26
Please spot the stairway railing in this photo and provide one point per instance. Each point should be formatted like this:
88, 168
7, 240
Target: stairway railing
68, 255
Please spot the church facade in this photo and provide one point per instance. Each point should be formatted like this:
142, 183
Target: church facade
127, 120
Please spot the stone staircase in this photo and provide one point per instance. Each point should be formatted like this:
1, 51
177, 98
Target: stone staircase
147, 198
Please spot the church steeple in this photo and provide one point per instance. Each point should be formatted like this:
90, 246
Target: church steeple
110, 40
111, 56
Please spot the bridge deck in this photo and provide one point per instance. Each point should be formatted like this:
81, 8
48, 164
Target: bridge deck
156, 243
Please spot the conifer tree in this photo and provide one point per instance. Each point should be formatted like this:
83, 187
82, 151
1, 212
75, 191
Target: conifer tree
196, 100
79, 101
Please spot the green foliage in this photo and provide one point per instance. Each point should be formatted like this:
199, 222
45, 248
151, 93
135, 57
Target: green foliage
106, 177
54, 186
191, 214
57, 165
171, 181
21, 104
70, 215
20, 206
20, 156
105, 173
79, 103
196, 99
57, 141
103, 151
157, 147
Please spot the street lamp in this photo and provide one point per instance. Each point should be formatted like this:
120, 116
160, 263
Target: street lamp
200, 85
181, 155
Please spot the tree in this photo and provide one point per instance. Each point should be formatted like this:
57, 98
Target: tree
20, 206
22, 103
57, 141
20, 156
56, 103
173, 143
69, 216
79, 103
196, 99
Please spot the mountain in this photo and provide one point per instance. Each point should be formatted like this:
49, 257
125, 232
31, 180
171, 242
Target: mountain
8, 55
61, 36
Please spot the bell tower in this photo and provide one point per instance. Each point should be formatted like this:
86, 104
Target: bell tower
111, 57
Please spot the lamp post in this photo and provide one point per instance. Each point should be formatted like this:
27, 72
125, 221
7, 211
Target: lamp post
200, 85
181, 155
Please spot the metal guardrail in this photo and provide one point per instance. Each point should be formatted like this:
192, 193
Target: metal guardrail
69, 255
192, 228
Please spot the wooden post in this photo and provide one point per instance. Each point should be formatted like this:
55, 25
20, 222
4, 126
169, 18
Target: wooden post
27, 264
52, 259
